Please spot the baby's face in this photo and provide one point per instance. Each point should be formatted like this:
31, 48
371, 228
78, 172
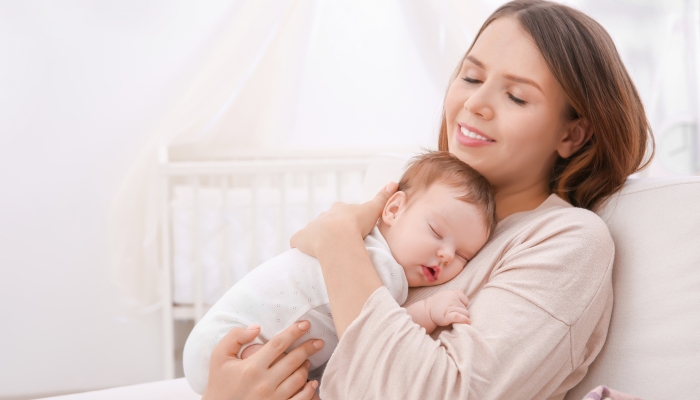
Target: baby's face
432, 235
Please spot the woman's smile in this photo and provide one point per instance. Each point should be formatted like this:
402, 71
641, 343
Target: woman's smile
472, 137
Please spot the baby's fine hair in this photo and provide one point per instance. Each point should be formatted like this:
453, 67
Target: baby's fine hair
441, 166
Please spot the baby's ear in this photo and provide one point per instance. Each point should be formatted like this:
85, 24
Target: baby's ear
392, 209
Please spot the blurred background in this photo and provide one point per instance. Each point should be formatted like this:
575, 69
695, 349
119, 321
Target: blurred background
92, 93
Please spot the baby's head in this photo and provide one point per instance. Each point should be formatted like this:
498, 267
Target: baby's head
439, 219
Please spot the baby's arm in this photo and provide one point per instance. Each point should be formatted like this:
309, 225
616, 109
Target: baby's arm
441, 309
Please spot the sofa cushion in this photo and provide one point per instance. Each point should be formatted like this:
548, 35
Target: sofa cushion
653, 344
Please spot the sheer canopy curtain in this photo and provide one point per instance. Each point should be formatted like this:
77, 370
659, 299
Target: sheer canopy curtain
289, 76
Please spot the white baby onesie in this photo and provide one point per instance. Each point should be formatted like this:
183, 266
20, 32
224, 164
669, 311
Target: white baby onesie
279, 292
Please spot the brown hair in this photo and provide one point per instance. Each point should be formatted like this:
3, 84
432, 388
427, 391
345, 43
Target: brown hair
583, 59
441, 166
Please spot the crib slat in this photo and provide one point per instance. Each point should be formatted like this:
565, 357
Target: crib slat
338, 185
282, 234
310, 205
224, 258
254, 251
197, 271
167, 283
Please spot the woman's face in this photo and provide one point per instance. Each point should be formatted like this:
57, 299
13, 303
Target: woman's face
505, 111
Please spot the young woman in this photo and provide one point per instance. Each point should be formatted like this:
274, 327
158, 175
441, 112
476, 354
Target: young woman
543, 107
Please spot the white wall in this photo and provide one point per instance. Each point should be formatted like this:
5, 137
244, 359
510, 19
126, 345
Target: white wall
80, 84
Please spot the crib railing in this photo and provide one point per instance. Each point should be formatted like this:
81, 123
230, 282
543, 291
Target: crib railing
221, 219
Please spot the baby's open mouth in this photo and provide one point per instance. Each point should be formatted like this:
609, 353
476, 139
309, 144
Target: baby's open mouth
431, 273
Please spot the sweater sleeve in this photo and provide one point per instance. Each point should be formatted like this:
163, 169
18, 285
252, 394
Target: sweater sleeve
519, 340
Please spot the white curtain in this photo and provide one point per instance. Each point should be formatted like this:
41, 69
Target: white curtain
674, 109
285, 76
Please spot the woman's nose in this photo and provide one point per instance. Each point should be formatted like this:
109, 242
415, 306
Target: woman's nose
479, 104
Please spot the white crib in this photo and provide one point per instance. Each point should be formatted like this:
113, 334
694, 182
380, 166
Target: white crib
220, 219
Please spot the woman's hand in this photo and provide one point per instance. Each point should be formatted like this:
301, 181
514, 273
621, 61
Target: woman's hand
263, 375
335, 240
341, 219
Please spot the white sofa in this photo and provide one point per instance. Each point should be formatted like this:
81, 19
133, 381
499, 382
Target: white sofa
653, 346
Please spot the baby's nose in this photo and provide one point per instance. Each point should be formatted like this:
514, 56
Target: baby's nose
446, 257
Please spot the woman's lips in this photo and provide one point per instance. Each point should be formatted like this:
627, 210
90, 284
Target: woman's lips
431, 273
472, 137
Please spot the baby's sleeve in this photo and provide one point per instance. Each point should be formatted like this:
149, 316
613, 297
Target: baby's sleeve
390, 272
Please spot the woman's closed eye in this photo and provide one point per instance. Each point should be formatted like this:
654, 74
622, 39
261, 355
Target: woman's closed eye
471, 80
516, 100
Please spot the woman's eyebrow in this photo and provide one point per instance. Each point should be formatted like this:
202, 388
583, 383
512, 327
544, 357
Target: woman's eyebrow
476, 62
510, 77
520, 79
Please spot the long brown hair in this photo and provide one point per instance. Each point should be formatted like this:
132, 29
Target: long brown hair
583, 59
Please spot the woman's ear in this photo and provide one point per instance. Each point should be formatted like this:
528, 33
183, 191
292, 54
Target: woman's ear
396, 204
578, 132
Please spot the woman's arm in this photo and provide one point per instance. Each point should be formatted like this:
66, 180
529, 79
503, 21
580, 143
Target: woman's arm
335, 238
529, 332
511, 350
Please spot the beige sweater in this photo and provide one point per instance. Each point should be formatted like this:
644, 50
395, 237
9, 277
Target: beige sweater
540, 303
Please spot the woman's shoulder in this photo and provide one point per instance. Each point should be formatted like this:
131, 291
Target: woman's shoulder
558, 220
567, 250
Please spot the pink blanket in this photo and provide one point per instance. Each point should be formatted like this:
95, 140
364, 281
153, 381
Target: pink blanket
604, 393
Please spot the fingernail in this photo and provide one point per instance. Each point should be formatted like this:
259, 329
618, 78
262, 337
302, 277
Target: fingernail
303, 325
318, 344
253, 327
314, 384
390, 187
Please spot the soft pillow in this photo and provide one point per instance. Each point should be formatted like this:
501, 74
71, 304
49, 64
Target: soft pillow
653, 344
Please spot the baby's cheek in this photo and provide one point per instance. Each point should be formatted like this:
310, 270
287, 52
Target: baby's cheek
453, 273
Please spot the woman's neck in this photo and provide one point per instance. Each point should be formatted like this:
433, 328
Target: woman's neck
511, 201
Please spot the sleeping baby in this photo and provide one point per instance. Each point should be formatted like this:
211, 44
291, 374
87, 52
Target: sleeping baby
441, 216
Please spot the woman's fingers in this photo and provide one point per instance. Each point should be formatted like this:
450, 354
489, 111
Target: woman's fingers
308, 392
231, 343
230, 377
316, 397
372, 209
294, 382
287, 365
343, 218
253, 377
271, 350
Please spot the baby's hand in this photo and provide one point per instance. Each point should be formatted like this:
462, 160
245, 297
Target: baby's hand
448, 307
